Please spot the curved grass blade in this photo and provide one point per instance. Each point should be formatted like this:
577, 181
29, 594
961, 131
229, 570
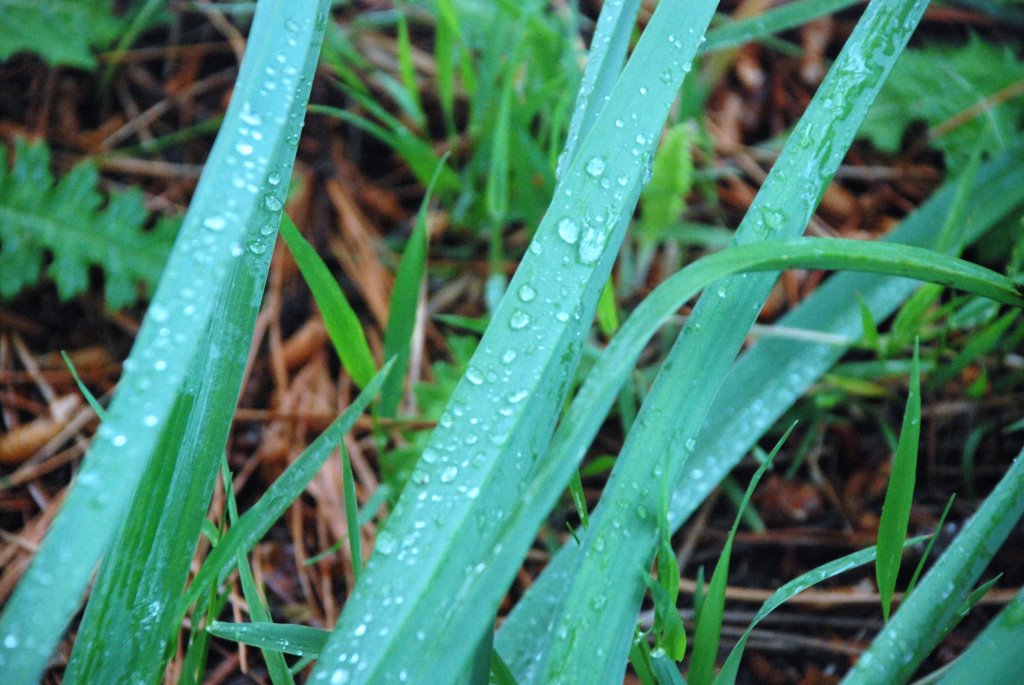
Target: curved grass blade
781, 18
604, 66
276, 666
343, 326
924, 617
446, 528
254, 523
280, 637
995, 656
622, 531
727, 676
762, 385
709, 623
899, 495
220, 230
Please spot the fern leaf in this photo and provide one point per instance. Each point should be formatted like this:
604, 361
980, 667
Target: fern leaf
61, 32
66, 222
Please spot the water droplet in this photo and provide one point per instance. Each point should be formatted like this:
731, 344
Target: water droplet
595, 167
119, 441
215, 223
691, 444
509, 356
271, 202
517, 397
274, 178
592, 245
568, 230
244, 148
519, 320
150, 421
291, 25
474, 376
449, 474
526, 293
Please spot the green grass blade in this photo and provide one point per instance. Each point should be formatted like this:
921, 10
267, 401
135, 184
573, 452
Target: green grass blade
280, 637
604, 66
597, 642
928, 548
276, 666
446, 528
278, 497
924, 617
761, 386
405, 299
220, 229
899, 495
995, 656
790, 15
727, 676
355, 544
709, 624
343, 326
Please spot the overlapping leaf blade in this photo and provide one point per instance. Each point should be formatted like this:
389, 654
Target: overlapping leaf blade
590, 632
423, 577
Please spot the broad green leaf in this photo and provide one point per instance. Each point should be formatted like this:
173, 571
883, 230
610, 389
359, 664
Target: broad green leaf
343, 326
939, 84
221, 229
61, 32
899, 495
447, 526
40, 215
925, 616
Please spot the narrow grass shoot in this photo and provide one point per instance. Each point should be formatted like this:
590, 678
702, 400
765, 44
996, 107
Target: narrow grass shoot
343, 326
405, 300
925, 616
709, 625
355, 544
899, 495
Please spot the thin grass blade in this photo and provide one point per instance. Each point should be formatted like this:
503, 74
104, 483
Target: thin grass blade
727, 676
280, 637
343, 326
924, 617
775, 20
252, 525
899, 495
405, 299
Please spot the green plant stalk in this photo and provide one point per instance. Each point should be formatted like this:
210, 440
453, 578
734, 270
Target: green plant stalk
220, 231
924, 617
762, 385
501, 416
591, 633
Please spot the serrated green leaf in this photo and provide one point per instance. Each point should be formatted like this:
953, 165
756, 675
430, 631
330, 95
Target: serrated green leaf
939, 81
65, 219
61, 32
